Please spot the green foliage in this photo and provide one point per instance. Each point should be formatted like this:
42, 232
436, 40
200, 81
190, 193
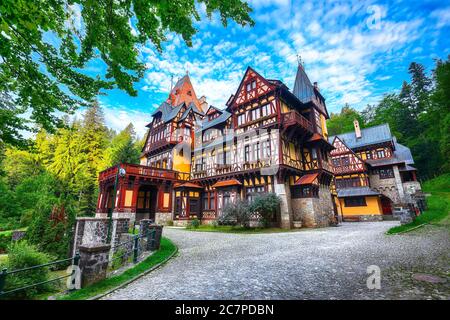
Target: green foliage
438, 184
9, 213
194, 223
166, 250
51, 226
238, 212
22, 255
46, 77
124, 148
266, 206
438, 212
5, 240
343, 121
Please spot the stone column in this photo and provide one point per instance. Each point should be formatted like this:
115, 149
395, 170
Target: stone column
284, 192
93, 263
398, 182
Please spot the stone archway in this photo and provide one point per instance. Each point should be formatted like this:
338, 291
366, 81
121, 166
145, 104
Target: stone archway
386, 205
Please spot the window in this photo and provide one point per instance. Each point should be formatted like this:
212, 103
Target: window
249, 87
381, 154
241, 119
256, 151
308, 191
247, 153
337, 162
253, 192
193, 205
345, 161
386, 173
355, 202
265, 110
255, 114
368, 155
314, 153
178, 205
266, 149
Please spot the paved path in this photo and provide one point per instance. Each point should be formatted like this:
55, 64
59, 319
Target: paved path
328, 263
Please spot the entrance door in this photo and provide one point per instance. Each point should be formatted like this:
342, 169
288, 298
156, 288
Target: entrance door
146, 203
386, 205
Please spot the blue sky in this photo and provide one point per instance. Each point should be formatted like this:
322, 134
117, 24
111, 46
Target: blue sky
355, 50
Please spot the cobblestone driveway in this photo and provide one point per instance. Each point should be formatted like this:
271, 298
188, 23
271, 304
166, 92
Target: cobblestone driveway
326, 263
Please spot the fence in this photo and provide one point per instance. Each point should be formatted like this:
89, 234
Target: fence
133, 248
5, 273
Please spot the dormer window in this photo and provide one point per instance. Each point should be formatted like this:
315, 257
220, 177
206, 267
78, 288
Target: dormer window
189, 93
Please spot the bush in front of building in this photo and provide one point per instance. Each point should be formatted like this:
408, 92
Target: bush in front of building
23, 255
5, 240
266, 206
237, 212
195, 223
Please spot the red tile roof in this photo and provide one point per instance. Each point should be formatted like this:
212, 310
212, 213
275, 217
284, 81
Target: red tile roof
306, 179
226, 183
188, 185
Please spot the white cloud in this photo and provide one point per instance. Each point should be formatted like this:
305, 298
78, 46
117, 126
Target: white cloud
442, 16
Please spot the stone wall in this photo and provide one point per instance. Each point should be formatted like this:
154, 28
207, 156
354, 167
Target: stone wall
163, 218
93, 263
284, 192
387, 187
314, 212
94, 231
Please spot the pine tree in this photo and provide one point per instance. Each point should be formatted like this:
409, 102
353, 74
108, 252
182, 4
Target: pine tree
124, 147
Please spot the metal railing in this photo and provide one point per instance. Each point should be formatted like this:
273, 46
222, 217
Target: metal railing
5, 273
135, 249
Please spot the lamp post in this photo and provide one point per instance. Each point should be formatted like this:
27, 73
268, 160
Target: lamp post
120, 173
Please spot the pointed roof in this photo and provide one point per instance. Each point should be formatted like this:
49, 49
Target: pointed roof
372, 135
303, 89
183, 91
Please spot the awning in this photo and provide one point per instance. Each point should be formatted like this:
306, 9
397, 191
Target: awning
227, 183
188, 185
357, 192
306, 179
408, 168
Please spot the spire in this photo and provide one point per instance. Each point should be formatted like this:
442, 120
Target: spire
303, 89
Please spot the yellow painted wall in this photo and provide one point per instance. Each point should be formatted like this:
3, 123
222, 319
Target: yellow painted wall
373, 207
324, 125
180, 163
143, 161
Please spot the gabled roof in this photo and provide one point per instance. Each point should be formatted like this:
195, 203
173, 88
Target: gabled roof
403, 153
188, 185
372, 135
206, 123
226, 183
183, 91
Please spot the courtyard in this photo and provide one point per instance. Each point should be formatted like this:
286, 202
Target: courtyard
328, 263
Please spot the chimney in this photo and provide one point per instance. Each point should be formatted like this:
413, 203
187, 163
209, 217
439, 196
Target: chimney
316, 86
357, 129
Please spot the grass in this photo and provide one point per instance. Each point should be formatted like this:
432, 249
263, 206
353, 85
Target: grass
236, 229
167, 248
438, 212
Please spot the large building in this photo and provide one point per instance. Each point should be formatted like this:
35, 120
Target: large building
373, 174
198, 158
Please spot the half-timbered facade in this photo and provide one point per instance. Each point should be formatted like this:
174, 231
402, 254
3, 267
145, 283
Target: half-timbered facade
267, 138
373, 173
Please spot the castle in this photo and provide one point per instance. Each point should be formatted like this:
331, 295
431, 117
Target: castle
198, 158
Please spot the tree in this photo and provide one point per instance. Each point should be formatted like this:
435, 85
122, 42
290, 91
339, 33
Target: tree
237, 212
46, 76
19, 165
343, 122
124, 147
266, 206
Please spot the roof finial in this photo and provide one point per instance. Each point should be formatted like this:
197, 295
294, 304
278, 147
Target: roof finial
171, 82
300, 61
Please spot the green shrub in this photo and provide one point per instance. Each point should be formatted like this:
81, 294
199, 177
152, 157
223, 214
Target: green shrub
237, 212
195, 223
5, 240
266, 206
22, 255
52, 226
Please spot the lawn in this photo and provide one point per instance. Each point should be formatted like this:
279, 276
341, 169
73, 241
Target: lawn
166, 250
235, 229
438, 212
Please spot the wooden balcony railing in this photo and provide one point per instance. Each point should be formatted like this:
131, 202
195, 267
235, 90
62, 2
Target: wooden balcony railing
143, 171
292, 118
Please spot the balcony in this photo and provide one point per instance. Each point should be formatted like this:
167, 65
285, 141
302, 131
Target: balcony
143, 171
296, 125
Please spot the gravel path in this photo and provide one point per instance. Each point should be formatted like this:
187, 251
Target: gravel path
328, 263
